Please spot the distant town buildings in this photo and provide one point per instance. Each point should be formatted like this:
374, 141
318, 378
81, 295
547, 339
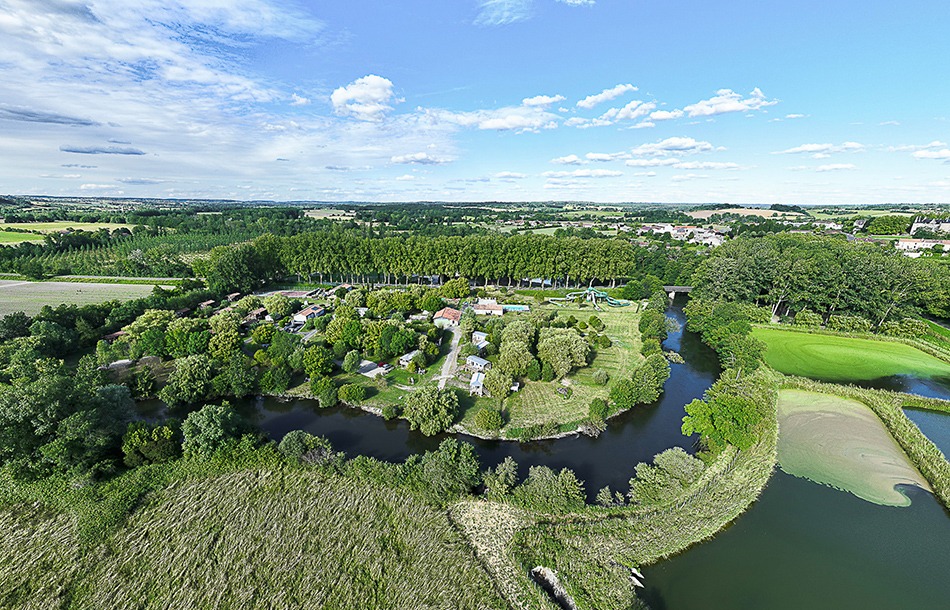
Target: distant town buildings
933, 225
914, 248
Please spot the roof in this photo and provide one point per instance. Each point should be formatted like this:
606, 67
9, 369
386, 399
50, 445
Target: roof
115, 335
477, 379
310, 309
207, 303
481, 362
488, 307
448, 313
409, 356
479, 335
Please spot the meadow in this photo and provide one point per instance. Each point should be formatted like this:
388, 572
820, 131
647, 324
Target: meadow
266, 538
49, 227
30, 297
14, 237
838, 358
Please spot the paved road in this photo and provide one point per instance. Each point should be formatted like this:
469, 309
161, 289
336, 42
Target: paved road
448, 367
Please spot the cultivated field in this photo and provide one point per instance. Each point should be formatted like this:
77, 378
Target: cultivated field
49, 227
30, 297
837, 358
762, 213
13, 237
330, 213
254, 539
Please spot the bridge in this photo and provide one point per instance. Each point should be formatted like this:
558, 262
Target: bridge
678, 289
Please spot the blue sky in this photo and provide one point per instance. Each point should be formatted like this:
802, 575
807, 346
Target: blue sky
607, 100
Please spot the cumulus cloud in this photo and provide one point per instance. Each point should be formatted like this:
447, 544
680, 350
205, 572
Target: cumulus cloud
705, 165
665, 115
510, 176
607, 156
520, 119
578, 2
727, 100
604, 96
542, 100
822, 149
834, 167
299, 100
584, 173
633, 110
916, 147
672, 146
940, 154
503, 12
568, 160
794, 116
405, 178
368, 98
419, 158
102, 150
657, 162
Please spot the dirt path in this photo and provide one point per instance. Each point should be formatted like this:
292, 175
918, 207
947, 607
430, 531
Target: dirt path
448, 367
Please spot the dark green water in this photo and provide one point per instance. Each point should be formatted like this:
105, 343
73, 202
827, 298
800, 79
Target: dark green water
803, 545
936, 426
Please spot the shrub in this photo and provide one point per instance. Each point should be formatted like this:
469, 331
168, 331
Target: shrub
598, 409
211, 428
808, 319
500, 480
324, 390
390, 412
351, 361
151, 444
431, 410
549, 491
597, 323
650, 347
849, 324
582, 325
547, 372
489, 419
604, 342
601, 377
352, 393
301, 447
534, 371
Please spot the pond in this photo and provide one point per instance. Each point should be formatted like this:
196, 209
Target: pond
934, 425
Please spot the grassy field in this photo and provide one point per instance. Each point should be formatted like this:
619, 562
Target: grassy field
30, 297
49, 227
538, 402
13, 237
836, 358
279, 538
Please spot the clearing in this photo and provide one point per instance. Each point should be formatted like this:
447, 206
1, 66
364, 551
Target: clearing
13, 237
30, 297
760, 212
838, 358
841, 443
61, 225
539, 403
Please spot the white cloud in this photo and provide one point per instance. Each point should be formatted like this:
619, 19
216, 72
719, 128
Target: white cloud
607, 156
665, 115
584, 173
727, 100
606, 95
510, 176
794, 116
941, 154
542, 100
673, 146
687, 177
834, 167
503, 12
658, 162
705, 165
368, 98
633, 110
645, 174
642, 125
520, 119
95, 187
419, 158
578, 2
299, 100
884, 123
405, 178
822, 149
568, 160
915, 147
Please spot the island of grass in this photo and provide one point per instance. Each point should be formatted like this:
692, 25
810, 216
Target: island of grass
841, 359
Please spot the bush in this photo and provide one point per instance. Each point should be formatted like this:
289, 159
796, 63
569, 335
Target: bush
849, 324
534, 371
351, 393
582, 325
598, 409
601, 377
352, 361
597, 323
808, 319
650, 347
489, 419
547, 372
324, 391
548, 491
301, 447
151, 444
431, 410
390, 412
211, 428
604, 342
500, 480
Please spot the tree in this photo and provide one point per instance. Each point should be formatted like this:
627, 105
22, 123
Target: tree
146, 443
301, 447
187, 337
324, 390
489, 419
211, 428
430, 409
317, 361
671, 474
498, 383
236, 377
515, 357
278, 306
263, 333
13, 325
352, 361
225, 335
190, 382
501, 480
563, 349
548, 491
456, 288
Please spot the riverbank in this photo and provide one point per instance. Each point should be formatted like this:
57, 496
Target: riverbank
592, 551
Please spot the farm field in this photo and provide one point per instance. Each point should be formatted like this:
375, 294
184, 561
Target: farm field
762, 213
538, 402
13, 237
837, 358
49, 227
276, 538
30, 297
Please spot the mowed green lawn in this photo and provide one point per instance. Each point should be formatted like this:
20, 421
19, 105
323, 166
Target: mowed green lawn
835, 358
13, 237
30, 297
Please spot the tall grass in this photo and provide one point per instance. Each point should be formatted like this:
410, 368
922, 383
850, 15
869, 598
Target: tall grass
266, 538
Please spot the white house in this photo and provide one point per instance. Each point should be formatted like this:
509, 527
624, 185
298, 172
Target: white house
308, 313
446, 317
405, 359
477, 385
488, 307
477, 364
